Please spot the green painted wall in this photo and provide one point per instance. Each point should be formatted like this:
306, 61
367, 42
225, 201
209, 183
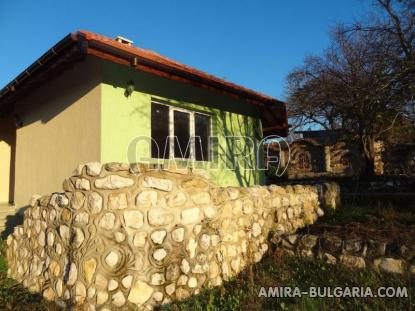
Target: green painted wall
124, 119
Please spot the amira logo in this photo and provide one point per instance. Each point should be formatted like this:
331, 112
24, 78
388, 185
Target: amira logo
271, 154
277, 154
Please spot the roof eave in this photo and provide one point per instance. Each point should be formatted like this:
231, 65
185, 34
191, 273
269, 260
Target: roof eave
118, 52
273, 111
63, 47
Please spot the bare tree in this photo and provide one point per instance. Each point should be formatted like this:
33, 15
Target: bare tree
364, 83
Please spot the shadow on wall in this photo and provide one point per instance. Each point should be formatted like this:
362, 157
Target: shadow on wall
55, 96
234, 149
13, 221
119, 75
240, 154
59, 129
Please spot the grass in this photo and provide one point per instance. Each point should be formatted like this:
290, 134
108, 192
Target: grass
242, 294
13, 296
370, 219
375, 220
378, 212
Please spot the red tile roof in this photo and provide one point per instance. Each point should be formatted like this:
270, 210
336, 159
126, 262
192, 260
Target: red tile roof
162, 60
83, 42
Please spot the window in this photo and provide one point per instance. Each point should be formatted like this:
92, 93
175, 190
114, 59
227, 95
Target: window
159, 131
179, 133
181, 123
202, 133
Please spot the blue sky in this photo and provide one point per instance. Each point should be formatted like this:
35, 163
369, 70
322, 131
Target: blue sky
252, 43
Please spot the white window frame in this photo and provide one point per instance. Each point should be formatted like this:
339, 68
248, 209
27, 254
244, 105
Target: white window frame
171, 136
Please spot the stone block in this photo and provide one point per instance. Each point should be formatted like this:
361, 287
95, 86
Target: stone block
390, 265
113, 182
121, 236
157, 183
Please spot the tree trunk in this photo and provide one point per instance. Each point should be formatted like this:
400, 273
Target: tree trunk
369, 155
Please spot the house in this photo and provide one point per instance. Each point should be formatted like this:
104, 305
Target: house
92, 98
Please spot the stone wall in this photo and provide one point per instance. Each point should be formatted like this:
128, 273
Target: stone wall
310, 159
124, 236
378, 165
394, 159
382, 255
323, 153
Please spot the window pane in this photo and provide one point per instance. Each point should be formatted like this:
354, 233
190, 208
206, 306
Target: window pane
159, 130
202, 133
182, 133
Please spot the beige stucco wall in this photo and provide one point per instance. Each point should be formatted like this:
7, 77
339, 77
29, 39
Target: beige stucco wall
7, 148
5, 154
61, 128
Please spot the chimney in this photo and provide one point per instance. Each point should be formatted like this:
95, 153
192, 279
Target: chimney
123, 40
